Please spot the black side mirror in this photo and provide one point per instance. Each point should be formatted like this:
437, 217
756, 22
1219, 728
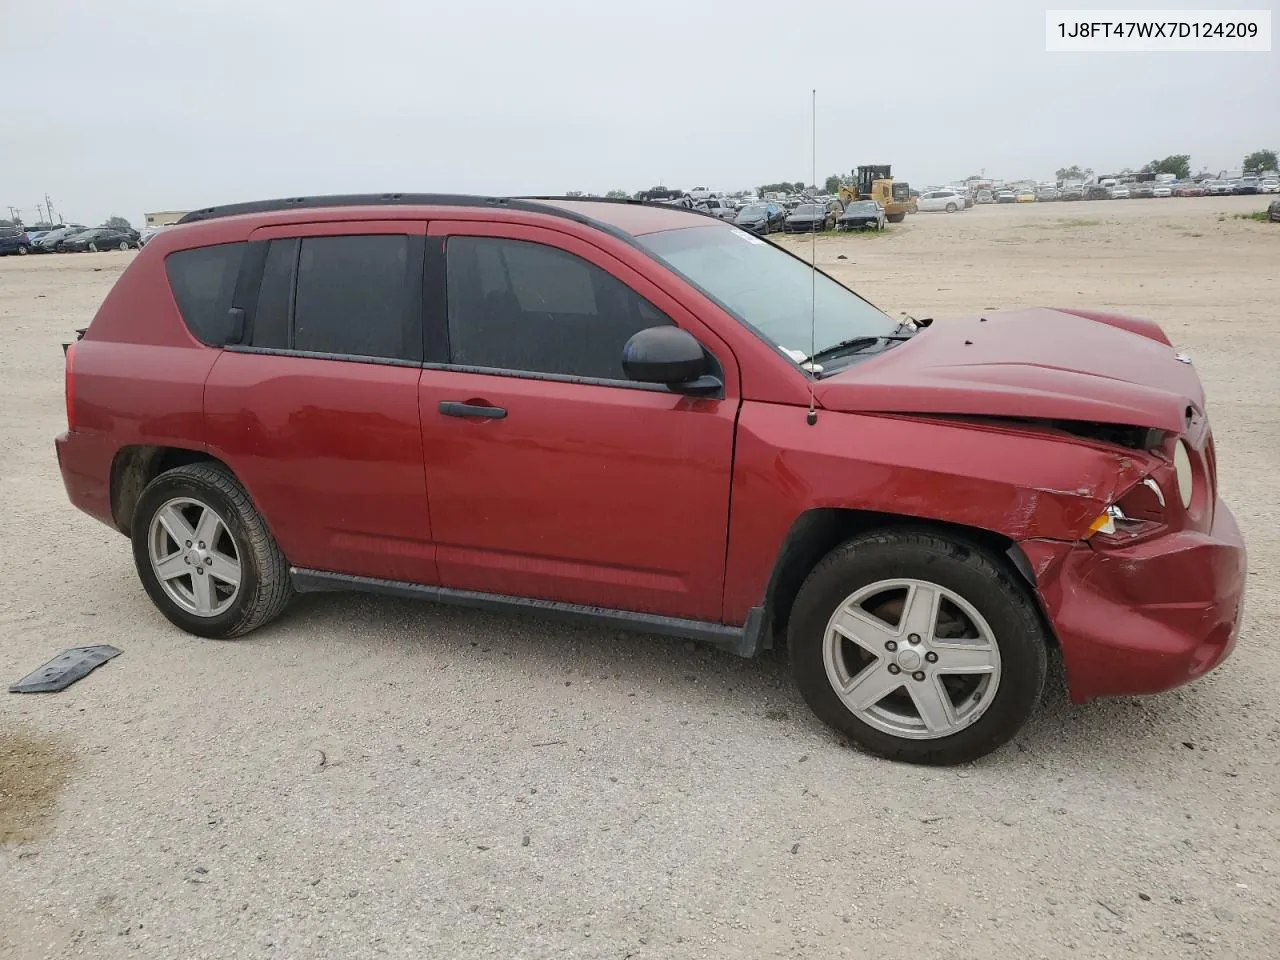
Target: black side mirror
670, 356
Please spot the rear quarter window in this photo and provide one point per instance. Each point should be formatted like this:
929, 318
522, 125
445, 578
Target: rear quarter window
203, 281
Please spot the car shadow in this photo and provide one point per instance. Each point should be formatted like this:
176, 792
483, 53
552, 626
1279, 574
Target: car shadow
701, 677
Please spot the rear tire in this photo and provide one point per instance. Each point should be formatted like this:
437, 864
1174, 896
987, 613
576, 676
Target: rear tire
263, 589
974, 625
23, 251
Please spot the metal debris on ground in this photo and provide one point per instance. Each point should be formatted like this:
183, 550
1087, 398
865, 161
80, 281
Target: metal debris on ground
65, 669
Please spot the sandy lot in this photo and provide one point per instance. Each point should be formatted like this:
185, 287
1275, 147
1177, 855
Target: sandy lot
375, 778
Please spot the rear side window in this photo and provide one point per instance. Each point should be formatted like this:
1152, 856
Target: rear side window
275, 296
203, 281
351, 296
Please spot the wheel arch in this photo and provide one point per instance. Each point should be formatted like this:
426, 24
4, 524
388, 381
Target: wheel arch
816, 532
135, 466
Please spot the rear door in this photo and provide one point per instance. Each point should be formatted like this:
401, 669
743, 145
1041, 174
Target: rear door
551, 475
317, 411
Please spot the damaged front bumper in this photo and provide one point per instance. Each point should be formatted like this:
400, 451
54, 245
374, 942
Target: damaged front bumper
1145, 617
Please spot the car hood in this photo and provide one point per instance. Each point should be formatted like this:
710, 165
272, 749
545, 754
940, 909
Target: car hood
1040, 363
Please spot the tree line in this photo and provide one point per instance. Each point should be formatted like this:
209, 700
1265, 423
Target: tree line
1178, 164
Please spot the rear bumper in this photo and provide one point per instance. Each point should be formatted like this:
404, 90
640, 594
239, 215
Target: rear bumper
85, 462
1145, 618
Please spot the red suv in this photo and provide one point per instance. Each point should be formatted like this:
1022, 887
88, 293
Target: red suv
644, 416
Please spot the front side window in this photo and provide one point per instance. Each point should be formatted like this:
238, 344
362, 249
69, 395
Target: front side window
523, 306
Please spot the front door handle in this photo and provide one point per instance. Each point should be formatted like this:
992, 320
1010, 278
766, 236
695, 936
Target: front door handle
462, 408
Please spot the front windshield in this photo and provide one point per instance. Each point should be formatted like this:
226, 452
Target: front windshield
769, 290
808, 208
752, 213
862, 206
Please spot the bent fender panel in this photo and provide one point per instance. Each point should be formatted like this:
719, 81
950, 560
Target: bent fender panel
1017, 485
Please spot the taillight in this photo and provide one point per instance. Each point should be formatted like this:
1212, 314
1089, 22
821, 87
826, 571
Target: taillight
70, 385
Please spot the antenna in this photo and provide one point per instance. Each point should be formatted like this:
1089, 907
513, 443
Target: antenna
812, 417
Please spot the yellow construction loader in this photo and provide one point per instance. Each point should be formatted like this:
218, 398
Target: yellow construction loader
875, 182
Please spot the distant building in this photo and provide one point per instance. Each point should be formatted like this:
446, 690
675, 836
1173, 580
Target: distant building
164, 218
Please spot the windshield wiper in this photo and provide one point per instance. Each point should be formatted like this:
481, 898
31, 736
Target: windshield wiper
852, 345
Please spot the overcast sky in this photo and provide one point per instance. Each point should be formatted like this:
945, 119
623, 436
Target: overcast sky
125, 106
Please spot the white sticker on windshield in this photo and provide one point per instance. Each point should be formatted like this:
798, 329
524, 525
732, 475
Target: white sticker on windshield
749, 237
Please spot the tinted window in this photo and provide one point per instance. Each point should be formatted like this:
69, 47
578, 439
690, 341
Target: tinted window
275, 296
516, 305
351, 297
203, 281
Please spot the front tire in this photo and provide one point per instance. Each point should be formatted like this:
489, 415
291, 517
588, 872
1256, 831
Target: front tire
951, 208
918, 647
204, 554
93, 247
124, 245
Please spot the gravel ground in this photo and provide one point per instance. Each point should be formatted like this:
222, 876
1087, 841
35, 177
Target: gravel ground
369, 777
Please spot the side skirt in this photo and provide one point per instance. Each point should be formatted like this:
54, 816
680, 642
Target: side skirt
745, 641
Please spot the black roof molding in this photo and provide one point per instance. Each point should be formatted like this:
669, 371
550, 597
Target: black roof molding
527, 204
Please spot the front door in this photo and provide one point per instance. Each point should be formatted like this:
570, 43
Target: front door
550, 475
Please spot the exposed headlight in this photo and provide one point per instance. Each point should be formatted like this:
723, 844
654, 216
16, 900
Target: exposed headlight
1182, 470
1106, 522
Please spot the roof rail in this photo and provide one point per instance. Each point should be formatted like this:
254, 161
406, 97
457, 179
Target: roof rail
366, 200
528, 204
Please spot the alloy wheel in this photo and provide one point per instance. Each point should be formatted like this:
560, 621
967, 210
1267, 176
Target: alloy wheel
194, 557
911, 658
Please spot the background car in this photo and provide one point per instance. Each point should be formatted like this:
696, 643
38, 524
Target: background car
1269, 186
1162, 190
14, 239
48, 243
1006, 196
945, 200
1188, 189
810, 218
1073, 192
1217, 188
1026, 195
1044, 194
862, 215
1118, 192
1142, 191
147, 233
761, 218
1245, 185
986, 196
100, 238
717, 207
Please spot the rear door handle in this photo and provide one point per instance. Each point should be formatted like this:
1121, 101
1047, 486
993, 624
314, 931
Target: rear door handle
460, 408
